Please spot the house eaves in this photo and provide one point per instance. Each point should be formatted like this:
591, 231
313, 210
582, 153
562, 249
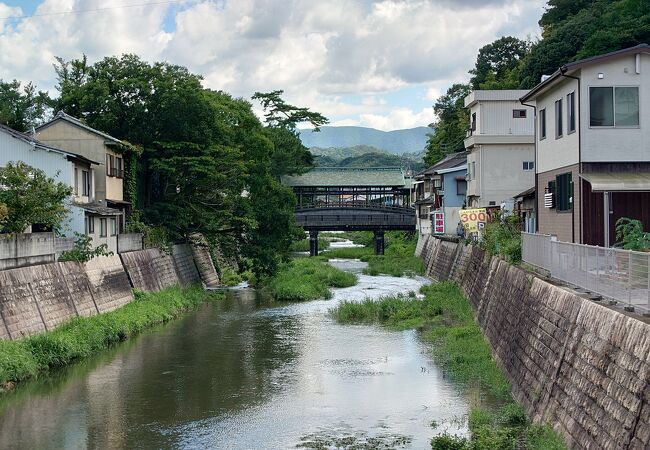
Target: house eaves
109, 140
576, 65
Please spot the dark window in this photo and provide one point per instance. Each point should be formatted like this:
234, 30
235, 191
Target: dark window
76, 181
518, 113
614, 106
461, 187
113, 226
437, 183
119, 168
85, 182
564, 192
473, 121
102, 227
571, 112
90, 225
542, 124
529, 165
558, 119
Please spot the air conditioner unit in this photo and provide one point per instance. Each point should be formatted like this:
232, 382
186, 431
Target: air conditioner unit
549, 200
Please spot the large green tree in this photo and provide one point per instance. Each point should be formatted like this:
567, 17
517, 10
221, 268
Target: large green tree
22, 106
451, 126
31, 197
497, 63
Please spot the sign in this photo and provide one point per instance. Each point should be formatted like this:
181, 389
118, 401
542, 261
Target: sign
473, 219
438, 223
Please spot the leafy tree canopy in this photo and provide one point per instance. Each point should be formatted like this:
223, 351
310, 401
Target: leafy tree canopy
279, 113
31, 197
22, 107
497, 61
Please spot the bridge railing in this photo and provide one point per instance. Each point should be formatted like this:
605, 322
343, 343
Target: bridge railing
356, 205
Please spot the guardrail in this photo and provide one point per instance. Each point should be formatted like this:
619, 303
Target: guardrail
617, 274
351, 205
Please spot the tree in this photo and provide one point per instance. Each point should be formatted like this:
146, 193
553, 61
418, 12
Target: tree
83, 250
22, 107
281, 114
496, 63
451, 126
31, 197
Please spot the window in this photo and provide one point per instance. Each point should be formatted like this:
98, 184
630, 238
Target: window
518, 113
614, 106
119, 169
102, 227
437, 183
558, 119
542, 124
461, 187
85, 182
76, 181
111, 166
90, 225
549, 195
113, 226
564, 192
473, 122
529, 165
571, 112
473, 170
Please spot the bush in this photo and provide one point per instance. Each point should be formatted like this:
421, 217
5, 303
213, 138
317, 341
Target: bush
503, 238
630, 234
303, 245
83, 250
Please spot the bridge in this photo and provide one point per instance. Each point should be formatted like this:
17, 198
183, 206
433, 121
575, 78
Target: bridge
351, 199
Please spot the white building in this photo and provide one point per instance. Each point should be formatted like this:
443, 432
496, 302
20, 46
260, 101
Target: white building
86, 216
593, 146
500, 142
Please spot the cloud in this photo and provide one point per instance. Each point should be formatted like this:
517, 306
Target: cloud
397, 118
321, 52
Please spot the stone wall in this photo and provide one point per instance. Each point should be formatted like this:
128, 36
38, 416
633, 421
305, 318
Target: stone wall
40, 298
205, 265
150, 270
572, 363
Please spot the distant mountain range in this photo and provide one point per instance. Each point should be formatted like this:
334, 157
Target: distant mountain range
365, 156
412, 140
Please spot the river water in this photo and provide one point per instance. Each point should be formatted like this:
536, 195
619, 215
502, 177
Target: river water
247, 373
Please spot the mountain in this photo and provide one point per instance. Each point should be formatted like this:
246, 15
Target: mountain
365, 156
412, 140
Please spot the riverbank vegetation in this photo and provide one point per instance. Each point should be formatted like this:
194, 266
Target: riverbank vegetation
303, 245
446, 319
307, 279
26, 358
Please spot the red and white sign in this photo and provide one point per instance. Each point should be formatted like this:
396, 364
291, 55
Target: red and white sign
438, 223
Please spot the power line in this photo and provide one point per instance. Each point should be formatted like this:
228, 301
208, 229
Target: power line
81, 11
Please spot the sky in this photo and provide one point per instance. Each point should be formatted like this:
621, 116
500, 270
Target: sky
378, 64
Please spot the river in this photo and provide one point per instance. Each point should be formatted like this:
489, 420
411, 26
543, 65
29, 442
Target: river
247, 373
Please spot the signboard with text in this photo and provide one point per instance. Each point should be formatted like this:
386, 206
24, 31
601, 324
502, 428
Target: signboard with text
473, 219
438, 223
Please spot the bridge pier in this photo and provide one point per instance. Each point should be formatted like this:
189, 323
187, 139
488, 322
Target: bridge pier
313, 243
379, 242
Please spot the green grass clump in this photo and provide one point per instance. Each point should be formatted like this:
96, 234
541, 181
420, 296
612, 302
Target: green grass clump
307, 279
447, 319
348, 253
396, 266
303, 245
84, 336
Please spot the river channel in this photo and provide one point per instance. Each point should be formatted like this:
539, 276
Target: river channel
247, 373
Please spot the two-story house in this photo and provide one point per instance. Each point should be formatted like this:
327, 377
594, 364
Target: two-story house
501, 146
593, 146
69, 133
72, 169
441, 188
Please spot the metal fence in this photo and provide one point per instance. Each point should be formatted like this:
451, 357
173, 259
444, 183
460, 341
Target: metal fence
621, 275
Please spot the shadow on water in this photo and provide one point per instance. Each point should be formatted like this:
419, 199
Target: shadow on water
246, 373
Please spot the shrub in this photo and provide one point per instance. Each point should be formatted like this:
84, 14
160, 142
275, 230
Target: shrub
630, 234
83, 250
503, 238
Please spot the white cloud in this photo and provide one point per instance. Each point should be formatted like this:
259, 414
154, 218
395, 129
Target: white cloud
318, 52
397, 118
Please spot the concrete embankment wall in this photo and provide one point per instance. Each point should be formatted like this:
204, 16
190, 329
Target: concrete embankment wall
572, 363
40, 298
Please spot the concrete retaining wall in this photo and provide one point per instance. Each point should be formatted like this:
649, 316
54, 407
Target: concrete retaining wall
26, 249
40, 298
150, 270
575, 364
129, 242
186, 270
205, 265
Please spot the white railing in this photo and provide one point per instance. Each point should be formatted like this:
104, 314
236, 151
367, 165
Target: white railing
621, 275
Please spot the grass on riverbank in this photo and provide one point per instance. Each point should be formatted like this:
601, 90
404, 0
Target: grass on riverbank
303, 245
84, 336
307, 279
447, 319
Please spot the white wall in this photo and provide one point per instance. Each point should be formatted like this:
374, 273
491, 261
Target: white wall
552, 152
55, 165
495, 118
617, 144
501, 174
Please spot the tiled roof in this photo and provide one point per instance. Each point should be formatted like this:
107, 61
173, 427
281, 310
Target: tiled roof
451, 160
99, 209
38, 144
74, 121
348, 177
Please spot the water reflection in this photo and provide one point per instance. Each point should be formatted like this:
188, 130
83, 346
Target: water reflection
246, 373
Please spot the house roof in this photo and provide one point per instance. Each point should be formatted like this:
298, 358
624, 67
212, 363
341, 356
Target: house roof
38, 144
575, 65
347, 176
527, 193
78, 123
502, 95
618, 181
452, 160
98, 208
